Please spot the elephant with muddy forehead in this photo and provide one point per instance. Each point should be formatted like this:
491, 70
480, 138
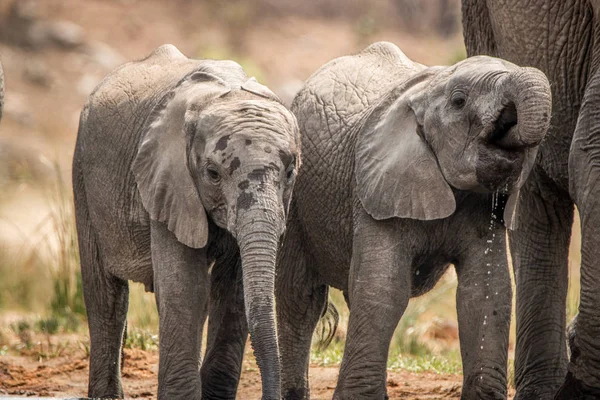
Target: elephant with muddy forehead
406, 169
181, 165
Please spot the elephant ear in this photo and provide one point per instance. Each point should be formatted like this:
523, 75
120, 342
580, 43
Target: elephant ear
164, 182
397, 174
510, 209
252, 86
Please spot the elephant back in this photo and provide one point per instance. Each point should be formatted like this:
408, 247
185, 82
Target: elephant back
110, 131
330, 109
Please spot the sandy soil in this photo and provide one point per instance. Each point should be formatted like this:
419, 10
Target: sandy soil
66, 376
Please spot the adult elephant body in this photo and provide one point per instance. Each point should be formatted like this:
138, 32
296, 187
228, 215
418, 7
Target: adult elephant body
399, 162
561, 38
180, 163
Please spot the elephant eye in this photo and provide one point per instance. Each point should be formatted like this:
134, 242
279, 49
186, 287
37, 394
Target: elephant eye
290, 170
213, 174
458, 100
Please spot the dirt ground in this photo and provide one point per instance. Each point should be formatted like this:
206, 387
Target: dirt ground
66, 376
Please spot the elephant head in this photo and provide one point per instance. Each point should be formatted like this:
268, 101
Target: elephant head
226, 154
474, 126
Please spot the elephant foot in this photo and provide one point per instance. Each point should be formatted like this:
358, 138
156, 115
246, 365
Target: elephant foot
297, 394
574, 389
534, 394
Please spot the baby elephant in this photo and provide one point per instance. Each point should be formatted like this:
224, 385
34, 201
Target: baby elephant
181, 165
400, 162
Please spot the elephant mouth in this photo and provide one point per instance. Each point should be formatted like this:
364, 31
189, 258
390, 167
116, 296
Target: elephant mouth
498, 168
504, 129
219, 215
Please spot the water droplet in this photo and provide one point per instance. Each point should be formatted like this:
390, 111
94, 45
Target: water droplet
417, 272
481, 347
489, 272
496, 292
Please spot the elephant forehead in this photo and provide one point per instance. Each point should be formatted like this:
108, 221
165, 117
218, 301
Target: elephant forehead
251, 145
261, 116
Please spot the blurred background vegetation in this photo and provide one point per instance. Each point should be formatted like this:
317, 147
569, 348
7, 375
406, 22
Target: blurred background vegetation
55, 52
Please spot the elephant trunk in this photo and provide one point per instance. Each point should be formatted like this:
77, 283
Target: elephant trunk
258, 240
526, 107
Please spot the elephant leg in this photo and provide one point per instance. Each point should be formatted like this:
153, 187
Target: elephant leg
484, 300
181, 288
300, 302
540, 250
106, 300
584, 173
227, 331
379, 290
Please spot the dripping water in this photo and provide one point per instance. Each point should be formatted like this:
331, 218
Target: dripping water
493, 246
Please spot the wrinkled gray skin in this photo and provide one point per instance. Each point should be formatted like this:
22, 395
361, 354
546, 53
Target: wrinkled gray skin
180, 163
398, 163
561, 38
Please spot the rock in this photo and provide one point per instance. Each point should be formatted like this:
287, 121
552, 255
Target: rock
18, 27
24, 27
38, 73
65, 34
104, 55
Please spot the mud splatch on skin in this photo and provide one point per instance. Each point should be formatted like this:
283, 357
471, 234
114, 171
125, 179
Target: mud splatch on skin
222, 143
244, 184
257, 174
245, 201
234, 165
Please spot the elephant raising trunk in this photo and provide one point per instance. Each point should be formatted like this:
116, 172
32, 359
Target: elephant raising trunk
259, 229
524, 119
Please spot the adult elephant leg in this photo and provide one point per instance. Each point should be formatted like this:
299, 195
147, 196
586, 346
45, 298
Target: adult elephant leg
540, 250
227, 330
181, 288
379, 290
484, 300
300, 302
106, 300
584, 173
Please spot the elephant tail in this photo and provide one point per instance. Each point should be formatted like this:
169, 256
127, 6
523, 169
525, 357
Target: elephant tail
327, 325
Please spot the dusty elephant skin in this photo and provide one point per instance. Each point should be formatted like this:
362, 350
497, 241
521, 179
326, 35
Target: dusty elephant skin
561, 38
399, 164
180, 163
